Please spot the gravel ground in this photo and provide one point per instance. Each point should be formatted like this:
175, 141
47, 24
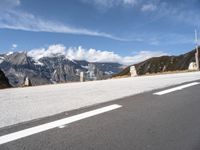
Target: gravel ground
24, 104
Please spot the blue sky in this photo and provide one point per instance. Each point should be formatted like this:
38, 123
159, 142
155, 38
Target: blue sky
128, 29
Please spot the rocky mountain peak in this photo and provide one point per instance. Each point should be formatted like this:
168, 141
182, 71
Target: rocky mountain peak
48, 69
17, 58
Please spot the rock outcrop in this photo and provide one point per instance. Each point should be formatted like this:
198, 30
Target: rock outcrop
4, 83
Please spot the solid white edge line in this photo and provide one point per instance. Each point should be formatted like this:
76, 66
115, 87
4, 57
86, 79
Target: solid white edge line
44, 127
176, 88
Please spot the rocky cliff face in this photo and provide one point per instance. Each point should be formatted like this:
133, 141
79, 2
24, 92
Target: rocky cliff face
162, 64
4, 83
48, 70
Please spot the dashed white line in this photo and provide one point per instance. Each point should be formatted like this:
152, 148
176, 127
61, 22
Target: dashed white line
176, 88
44, 127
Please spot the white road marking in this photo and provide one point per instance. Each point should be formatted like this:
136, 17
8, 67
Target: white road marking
63, 126
176, 88
44, 127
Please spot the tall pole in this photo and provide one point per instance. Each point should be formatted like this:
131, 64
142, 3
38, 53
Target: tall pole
197, 50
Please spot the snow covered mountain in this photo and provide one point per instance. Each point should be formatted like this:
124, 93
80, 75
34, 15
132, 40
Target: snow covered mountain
52, 69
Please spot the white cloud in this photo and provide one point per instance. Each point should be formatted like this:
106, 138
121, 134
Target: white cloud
112, 3
178, 13
28, 22
14, 46
92, 55
132, 2
20, 20
154, 41
141, 56
51, 51
8, 4
148, 7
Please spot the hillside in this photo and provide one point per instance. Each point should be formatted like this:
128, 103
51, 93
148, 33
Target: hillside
3, 81
161, 64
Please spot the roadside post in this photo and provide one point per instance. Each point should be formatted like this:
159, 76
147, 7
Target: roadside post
82, 77
133, 71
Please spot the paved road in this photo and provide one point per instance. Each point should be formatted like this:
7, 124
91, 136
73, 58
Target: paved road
144, 122
24, 104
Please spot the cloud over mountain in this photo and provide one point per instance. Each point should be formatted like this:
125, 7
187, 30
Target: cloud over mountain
92, 55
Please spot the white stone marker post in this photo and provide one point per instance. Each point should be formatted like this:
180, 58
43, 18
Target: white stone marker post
133, 71
27, 82
81, 76
192, 66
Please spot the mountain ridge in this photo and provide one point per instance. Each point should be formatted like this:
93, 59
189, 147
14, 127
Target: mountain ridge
161, 64
50, 70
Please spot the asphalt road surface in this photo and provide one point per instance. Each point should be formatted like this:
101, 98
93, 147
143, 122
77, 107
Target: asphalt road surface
156, 120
